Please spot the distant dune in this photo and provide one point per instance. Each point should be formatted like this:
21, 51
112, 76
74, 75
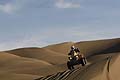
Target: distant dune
49, 63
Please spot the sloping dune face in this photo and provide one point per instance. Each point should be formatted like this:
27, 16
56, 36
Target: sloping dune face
103, 57
40, 54
62, 48
32, 63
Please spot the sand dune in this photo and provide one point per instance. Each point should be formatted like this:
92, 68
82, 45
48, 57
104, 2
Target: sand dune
106, 68
40, 54
21, 65
103, 58
62, 48
50, 62
92, 47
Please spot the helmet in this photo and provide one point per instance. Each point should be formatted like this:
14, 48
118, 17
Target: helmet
72, 47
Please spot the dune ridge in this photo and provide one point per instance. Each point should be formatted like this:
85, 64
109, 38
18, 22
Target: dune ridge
49, 63
102, 54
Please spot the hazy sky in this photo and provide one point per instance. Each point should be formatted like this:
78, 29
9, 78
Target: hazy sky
37, 23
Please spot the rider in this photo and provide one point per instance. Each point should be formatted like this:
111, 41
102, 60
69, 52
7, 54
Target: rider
74, 53
75, 57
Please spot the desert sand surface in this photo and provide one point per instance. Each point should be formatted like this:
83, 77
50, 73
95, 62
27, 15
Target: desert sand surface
49, 63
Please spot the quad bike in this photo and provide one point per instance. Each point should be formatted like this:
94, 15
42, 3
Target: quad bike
76, 60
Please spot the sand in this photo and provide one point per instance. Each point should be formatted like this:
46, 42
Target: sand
49, 63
